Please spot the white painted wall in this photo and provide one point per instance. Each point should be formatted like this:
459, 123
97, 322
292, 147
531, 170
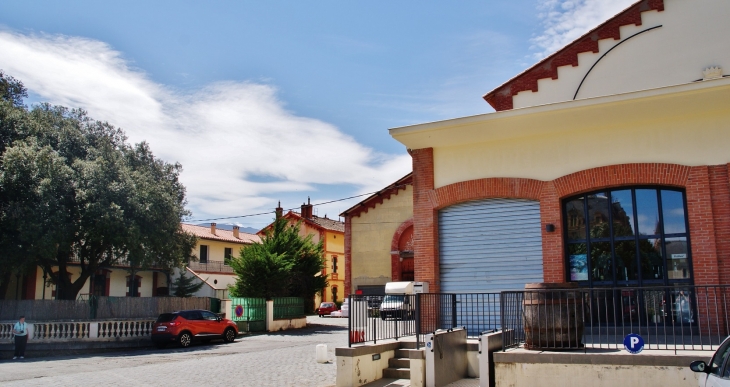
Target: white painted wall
693, 37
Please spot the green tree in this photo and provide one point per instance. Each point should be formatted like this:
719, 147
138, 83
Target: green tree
185, 287
283, 264
72, 191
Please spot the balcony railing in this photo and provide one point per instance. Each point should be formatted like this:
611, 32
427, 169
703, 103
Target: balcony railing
214, 267
118, 263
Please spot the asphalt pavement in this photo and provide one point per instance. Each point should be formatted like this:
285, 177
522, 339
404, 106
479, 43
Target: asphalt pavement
286, 358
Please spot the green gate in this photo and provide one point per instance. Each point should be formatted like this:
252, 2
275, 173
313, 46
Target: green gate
288, 307
249, 313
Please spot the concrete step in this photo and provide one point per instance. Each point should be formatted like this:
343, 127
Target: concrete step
396, 362
404, 353
410, 344
397, 373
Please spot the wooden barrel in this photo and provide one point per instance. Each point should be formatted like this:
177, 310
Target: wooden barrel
553, 316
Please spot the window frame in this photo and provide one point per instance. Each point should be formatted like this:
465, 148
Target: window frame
636, 238
207, 254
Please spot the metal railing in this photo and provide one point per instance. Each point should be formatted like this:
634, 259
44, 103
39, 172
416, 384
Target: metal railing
668, 318
476, 312
373, 318
211, 266
288, 307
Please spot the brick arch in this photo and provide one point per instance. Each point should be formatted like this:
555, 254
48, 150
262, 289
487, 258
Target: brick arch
611, 176
395, 262
707, 192
484, 189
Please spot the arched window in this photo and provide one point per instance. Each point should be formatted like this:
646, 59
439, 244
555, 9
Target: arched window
628, 236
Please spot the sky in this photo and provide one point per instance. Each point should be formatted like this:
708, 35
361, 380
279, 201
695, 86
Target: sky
264, 102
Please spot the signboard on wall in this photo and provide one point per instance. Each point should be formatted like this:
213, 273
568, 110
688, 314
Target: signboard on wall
579, 267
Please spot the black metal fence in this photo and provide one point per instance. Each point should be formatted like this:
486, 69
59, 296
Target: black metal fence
669, 318
373, 318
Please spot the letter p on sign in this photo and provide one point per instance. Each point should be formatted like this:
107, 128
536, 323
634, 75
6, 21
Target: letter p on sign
633, 343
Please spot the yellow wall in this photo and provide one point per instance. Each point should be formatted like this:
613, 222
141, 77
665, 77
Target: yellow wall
216, 249
334, 245
684, 124
372, 233
117, 283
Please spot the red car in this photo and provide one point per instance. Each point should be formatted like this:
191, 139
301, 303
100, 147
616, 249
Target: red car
186, 326
326, 308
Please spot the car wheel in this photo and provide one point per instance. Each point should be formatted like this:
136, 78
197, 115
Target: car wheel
229, 335
185, 339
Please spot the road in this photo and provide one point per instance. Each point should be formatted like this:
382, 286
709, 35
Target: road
278, 359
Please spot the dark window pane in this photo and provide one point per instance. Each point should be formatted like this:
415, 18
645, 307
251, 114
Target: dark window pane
652, 264
622, 210
601, 268
203, 254
673, 212
626, 261
578, 261
575, 217
647, 211
598, 215
677, 258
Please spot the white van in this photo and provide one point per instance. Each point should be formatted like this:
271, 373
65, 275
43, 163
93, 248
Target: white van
399, 301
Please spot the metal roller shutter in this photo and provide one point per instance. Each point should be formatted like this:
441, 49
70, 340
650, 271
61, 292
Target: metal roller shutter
490, 245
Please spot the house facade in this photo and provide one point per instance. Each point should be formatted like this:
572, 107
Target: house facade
605, 164
213, 249
379, 239
331, 233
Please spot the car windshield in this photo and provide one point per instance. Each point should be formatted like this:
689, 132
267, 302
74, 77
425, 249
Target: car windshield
394, 298
166, 317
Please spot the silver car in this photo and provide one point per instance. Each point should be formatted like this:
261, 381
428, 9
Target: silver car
717, 373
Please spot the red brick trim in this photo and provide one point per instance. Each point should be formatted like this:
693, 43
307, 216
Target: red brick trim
720, 186
620, 175
702, 227
501, 97
348, 256
425, 228
377, 198
708, 204
483, 189
395, 261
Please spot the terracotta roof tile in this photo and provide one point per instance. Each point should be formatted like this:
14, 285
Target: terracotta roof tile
326, 223
220, 235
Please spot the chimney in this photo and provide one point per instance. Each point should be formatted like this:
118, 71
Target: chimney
307, 210
212, 228
279, 211
235, 232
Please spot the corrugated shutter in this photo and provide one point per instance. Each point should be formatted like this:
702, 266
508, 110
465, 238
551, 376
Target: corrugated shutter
490, 245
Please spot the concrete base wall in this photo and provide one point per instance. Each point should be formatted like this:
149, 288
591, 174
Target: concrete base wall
592, 375
284, 324
596, 368
356, 366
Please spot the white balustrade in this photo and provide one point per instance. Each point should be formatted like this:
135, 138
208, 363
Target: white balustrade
82, 330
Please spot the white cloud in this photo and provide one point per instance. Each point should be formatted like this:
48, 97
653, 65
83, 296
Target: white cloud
566, 20
226, 135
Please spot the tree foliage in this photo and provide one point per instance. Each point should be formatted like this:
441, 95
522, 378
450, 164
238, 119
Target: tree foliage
283, 264
73, 191
184, 286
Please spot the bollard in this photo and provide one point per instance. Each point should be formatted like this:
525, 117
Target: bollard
322, 353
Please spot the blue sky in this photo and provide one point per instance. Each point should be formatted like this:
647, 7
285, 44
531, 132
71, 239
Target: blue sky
268, 101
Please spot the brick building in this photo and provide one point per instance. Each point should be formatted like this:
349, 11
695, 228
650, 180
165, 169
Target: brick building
606, 163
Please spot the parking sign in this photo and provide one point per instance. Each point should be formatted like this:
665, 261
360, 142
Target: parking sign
633, 343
